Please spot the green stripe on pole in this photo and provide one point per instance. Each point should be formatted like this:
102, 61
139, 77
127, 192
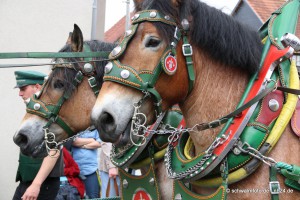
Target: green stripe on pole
54, 55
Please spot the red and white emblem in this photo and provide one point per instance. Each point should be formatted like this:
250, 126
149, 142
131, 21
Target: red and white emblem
141, 194
170, 65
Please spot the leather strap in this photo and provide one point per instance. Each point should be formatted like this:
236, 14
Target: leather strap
274, 184
115, 186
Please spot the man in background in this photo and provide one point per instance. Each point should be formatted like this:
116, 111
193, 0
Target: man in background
39, 178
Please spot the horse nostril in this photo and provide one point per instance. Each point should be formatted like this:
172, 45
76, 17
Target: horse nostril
107, 123
21, 140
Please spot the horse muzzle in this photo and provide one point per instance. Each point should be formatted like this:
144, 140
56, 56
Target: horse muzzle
27, 146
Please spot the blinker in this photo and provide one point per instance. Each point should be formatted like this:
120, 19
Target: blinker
108, 67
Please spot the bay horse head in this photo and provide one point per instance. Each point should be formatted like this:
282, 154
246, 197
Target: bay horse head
186, 52
167, 45
63, 107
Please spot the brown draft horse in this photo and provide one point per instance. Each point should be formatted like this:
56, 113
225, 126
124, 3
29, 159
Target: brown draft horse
75, 111
225, 54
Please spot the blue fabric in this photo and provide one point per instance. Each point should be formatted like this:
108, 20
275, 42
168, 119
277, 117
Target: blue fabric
104, 181
67, 191
92, 188
87, 158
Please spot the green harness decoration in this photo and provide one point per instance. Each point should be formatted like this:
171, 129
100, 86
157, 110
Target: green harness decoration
144, 186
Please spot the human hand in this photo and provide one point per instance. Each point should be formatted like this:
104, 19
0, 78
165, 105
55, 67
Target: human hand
113, 172
32, 192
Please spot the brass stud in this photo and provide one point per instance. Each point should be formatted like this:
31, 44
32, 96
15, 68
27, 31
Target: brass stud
151, 181
36, 106
178, 197
153, 14
167, 17
128, 32
88, 67
108, 67
136, 16
273, 105
116, 51
125, 183
125, 74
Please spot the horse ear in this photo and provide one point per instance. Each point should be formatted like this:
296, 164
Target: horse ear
177, 3
77, 39
137, 5
69, 38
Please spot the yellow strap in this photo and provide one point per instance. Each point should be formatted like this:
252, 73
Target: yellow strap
287, 109
187, 148
216, 182
157, 156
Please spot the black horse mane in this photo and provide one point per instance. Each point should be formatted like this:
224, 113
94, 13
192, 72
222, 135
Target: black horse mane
223, 38
67, 75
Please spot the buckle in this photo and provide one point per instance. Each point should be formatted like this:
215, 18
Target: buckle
79, 77
176, 34
214, 124
92, 82
187, 50
274, 187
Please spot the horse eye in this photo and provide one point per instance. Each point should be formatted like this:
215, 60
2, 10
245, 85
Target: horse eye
58, 84
152, 43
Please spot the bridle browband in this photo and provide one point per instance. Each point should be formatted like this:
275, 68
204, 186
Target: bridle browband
145, 81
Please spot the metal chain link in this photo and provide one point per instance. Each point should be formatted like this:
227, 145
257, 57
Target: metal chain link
52, 145
208, 153
255, 153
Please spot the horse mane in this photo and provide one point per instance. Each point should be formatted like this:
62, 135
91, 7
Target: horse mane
68, 74
222, 37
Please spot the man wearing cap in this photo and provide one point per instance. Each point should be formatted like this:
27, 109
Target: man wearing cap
29, 82
39, 178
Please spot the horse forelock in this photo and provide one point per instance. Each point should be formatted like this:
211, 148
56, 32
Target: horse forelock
223, 38
67, 75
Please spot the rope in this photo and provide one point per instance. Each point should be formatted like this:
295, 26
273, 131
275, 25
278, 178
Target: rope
282, 165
